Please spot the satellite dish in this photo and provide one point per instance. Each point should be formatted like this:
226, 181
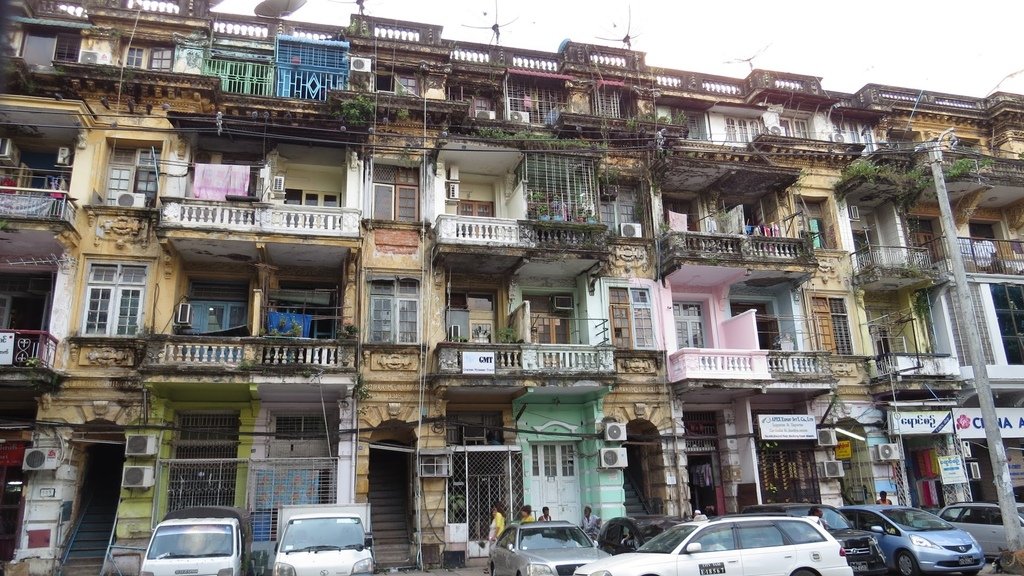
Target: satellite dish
278, 8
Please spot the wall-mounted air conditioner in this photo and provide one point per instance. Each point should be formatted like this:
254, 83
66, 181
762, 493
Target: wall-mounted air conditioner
523, 117
131, 200
137, 477
614, 432
140, 445
837, 137
9, 153
63, 156
89, 57
453, 191
183, 314
974, 471
561, 302
827, 437
277, 184
613, 458
631, 230
853, 211
887, 452
486, 114
361, 65
832, 469
41, 459
435, 465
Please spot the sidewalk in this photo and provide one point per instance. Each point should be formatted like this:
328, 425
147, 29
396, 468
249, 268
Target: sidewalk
474, 567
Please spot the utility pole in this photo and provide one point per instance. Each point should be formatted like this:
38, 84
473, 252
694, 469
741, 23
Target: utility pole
972, 340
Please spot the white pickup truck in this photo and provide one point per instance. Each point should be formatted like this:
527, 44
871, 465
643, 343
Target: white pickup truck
202, 541
323, 541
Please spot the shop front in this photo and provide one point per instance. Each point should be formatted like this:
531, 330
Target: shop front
970, 432
925, 458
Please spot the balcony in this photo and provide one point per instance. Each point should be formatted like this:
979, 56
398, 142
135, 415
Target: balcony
718, 364
785, 365
211, 352
912, 375
892, 267
27, 348
770, 258
35, 204
526, 359
214, 216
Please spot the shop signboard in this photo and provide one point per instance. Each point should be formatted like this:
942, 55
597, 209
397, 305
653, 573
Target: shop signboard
969, 423
478, 362
951, 470
910, 423
787, 427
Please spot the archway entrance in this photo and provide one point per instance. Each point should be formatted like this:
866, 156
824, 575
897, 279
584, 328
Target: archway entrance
644, 461
97, 505
390, 495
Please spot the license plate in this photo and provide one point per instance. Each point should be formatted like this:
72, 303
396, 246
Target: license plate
967, 560
859, 566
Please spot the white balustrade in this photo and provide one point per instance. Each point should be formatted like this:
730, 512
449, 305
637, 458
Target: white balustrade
719, 364
311, 220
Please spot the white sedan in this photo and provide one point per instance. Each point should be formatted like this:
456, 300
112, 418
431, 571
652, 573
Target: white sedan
734, 546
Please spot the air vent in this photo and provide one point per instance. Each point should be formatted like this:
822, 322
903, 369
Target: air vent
183, 314
631, 230
614, 432
41, 459
613, 458
887, 452
832, 469
137, 477
827, 437
278, 184
140, 446
435, 465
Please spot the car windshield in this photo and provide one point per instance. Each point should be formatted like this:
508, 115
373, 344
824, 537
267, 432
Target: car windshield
912, 519
550, 537
669, 540
191, 541
314, 534
834, 520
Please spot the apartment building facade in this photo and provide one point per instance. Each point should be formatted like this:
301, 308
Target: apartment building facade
256, 263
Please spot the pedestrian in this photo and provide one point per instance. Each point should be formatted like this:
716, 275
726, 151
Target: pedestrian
699, 516
545, 515
526, 514
591, 522
497, 523
883, 498
709, 511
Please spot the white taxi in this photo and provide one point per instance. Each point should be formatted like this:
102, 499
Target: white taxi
734, 546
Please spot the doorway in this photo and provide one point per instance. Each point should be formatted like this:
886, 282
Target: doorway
554, 481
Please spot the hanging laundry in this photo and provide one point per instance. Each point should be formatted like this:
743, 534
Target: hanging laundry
217, 181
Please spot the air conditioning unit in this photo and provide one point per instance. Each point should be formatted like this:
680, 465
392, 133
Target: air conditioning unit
887, 452
9, 153
832, 469
140, 446
837, 137
561, 302
453, 191
41, 459
361, 65
614, 432
137, 477
131, 200
775, 130
183, 314
486, 114
63, 156
965, 446
853, 211
631, 230
88, 57
613, 458
454, 333
523, 117
827, 437
435, 465
974, 471
277, 184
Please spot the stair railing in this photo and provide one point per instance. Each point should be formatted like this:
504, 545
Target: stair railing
74, 533
639, 493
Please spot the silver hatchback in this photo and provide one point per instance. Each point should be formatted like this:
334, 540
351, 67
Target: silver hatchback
982, 520
542, 549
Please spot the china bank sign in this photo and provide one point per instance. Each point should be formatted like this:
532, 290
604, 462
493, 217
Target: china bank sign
969, 423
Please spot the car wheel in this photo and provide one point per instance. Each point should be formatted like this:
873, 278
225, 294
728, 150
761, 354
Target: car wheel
802, 573
492, 568
970, 572
906, 565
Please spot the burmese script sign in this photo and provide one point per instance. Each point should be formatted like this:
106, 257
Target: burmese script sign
787, 427
922, 422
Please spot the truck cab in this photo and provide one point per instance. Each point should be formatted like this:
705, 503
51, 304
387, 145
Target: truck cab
322, 544
202, 541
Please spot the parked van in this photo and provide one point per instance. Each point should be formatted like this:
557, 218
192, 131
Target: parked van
318, 543
202, 541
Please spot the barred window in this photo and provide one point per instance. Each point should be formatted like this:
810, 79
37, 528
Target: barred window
207, 435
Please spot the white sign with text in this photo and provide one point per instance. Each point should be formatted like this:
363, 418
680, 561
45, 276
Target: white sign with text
787, 427
969, 423
478, 362
921, 422
6, 348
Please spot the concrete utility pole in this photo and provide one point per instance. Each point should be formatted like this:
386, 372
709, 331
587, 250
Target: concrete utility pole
972, 339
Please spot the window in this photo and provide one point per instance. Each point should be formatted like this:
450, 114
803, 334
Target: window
741, 129
151, 58
401, 84
133, 171
795, 128
541, 104
758, 535
550, 324
476, 208
800, 532
302, 436
396, 194
819, 226
114, 298
394, 311
303, 198
45, 50
618, 206
218, 306
1008, 301
630, 316
607, 103
832, 324
211, 438
716, 538
689, 324
67, 48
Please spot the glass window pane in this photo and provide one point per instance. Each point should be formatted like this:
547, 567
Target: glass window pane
128, 315
407, 321
383, 198
380, 319
96, 316
39, 50
102, 273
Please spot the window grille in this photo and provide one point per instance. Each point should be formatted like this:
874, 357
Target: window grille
479, 480
562, 186
310, 69
542, 104
280, 482
302, 436
202, 482
238, 77
206, 435
607, 103
701, 432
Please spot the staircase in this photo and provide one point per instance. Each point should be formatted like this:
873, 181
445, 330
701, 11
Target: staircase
634, 504
88, 545
392, 546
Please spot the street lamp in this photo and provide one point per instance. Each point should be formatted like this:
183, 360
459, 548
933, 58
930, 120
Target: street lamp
972, 340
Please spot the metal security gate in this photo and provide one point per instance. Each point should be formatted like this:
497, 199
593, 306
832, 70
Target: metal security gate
788, 475
483, 476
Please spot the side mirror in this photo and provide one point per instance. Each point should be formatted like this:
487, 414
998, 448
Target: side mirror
368, 541
693, 547
877, 529
512, 547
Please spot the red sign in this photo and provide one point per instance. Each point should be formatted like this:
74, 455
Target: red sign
12, 453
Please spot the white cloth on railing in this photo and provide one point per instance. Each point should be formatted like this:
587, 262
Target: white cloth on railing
217, 181
677, 221
25, 204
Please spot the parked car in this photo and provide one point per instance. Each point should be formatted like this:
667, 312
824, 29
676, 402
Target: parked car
862, 550
984, 521
916, 542
542, 548
627, 533
732, 545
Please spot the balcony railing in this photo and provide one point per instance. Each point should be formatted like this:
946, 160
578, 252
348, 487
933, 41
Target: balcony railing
718, 364
36, 204
892, 257
28, 348
237, 77
807, 363
211, 351
738, 247
477, 230
262, 218
910, 364
554, 359
510, 233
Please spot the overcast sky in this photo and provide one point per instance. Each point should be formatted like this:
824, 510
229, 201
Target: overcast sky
965, 48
